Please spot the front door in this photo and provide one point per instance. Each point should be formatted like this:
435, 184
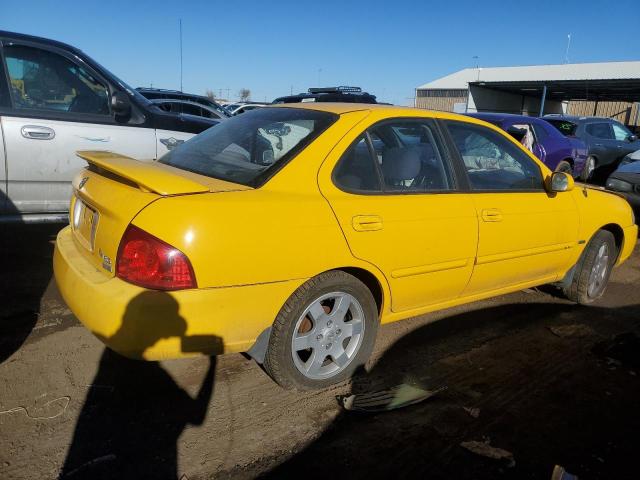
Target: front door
58, 107
397, 200
524, 231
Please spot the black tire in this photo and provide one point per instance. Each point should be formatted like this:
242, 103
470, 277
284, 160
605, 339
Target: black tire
579, 291
565, 167
587, 173
279, 360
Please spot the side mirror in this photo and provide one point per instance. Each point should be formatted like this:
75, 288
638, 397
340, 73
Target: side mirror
120, 104
632, 138
560, 182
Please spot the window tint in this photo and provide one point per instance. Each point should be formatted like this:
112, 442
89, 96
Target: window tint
492, 161
600, 130
357, 170
566, 128
250, 148
620, 131
47, 81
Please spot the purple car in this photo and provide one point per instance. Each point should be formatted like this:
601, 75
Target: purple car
558, 152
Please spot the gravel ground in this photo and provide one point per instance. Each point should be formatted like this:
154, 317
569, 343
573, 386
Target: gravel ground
543, 380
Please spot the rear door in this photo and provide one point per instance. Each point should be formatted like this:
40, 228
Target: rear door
398, 203
59, 105
602, 142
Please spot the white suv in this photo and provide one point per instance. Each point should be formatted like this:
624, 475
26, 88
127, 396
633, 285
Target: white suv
54, 101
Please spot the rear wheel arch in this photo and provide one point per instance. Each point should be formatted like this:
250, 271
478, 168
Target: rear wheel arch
371, 281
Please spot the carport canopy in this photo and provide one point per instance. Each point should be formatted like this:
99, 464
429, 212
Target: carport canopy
613, 90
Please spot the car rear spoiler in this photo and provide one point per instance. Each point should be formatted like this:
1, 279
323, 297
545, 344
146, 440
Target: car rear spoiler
150, 176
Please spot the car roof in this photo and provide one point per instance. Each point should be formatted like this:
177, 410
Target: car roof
33, 38
577, 119
392, 110
501, 117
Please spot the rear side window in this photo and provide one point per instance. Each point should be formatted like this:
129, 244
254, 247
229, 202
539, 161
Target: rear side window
395, 156
357, 170
566, 128
492, 161
250, 148
600, 130
43, 80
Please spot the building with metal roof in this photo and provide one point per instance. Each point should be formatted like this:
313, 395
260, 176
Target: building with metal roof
605, 89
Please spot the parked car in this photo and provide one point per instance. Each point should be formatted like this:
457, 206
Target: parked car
558, 152
163, 94
186, 107
608, 141
330, 94
246, 107
632, 157
55, 100
626, 181
291, 232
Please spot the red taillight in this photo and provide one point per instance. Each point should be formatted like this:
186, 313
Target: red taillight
151, 263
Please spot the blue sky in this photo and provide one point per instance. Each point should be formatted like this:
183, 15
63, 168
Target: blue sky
388, 48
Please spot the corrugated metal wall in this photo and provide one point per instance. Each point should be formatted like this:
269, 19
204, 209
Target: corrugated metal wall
444, 100
624, 112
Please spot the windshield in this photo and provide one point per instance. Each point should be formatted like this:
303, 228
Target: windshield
250, 148
565, 127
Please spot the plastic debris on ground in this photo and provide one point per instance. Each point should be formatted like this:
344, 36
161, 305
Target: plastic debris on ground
390, 399
485, 449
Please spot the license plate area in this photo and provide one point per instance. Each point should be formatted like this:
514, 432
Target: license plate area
85, 222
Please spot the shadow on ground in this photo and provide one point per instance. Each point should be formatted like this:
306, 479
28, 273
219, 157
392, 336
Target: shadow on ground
134, 411
548, 395
26, 256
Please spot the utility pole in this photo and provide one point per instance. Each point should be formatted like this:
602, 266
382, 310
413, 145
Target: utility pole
180, 54
566, 53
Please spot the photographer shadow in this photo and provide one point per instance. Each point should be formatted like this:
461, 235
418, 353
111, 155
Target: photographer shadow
134, 411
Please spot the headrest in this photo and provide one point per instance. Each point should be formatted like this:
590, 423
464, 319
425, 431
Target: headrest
399, 164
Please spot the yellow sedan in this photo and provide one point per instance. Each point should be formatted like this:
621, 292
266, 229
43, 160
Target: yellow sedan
292, 232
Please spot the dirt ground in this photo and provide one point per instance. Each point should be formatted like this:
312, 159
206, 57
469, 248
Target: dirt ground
529, 373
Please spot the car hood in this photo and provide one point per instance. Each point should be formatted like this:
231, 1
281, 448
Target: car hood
633, 167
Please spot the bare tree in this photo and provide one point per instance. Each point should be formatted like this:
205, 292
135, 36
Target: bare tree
209, 94
244, 94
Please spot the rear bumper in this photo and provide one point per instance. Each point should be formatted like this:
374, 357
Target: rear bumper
629, 243
153, 325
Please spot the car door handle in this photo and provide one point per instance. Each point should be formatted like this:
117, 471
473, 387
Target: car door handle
598, 144
36, 132
491, 215
366, 223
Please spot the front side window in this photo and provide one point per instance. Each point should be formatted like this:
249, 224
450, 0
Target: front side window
398, 156
620, 132
492, 161
43, 80
249, 149
600, 130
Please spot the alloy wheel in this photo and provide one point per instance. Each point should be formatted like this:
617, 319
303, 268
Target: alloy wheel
328, 335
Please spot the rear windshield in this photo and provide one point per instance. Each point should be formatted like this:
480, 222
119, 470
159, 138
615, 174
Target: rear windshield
564, 126
252, 147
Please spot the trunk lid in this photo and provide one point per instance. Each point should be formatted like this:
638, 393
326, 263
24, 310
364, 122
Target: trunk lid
114, 189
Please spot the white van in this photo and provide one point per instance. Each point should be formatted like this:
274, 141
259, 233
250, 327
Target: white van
54, 101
